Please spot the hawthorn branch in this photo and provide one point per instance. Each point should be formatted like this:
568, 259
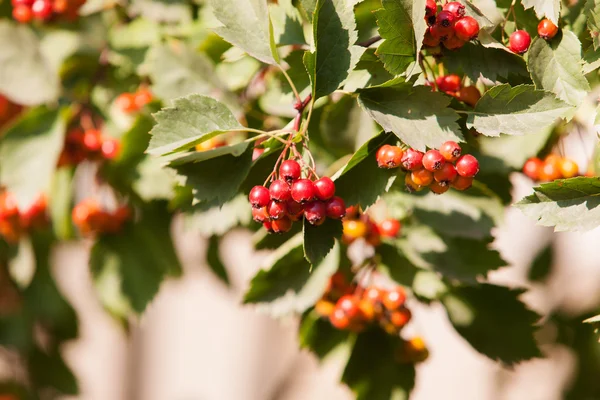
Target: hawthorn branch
369, 42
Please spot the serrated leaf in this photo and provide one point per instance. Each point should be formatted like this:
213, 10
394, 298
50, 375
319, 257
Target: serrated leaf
287, 24
363, 168
474, 11
288, 283
335, 55
317, 334
191, 120
515, 111
556, 66
214, 261
319, 240
419, 117
566, 204
494, 321
39, 132
544, 9
221, 219
592, 11
369, 72
247, 25
235, 150
27, 76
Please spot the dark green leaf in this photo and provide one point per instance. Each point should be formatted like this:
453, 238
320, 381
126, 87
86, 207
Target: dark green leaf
51, 371
542, 264
396, 265
319, 240
214, 261
287, 24
318, 335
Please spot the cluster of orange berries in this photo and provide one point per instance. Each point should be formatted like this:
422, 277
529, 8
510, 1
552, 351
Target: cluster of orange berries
44, 10
8, 110
358, 225
90, 144
133, 102
436, 169
551, 168
90, 218
352, 309
452, 85
449, 26
15, 222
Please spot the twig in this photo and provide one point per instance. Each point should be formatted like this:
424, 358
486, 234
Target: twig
296, 94
369, 42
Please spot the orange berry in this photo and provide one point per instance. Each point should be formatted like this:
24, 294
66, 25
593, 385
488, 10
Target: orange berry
568, 168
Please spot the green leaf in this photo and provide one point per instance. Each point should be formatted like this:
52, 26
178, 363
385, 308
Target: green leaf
475, 11
214, 261
419, 117
139, 33
318, 335
396, 265
335, 55
319, 240
591, 60
363, 168
372, 371
49, 370
62, 202
287, 24
27, 75
515, 111
288, 283
592, 11
565, 204
139, 259
191, 120
172, 11
544, 9
542, 264
29, 152
493, 320
247, 25
556, 66
220, 220
369, 72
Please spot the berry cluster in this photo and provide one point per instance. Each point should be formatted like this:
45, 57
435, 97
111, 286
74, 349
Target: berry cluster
436, 169
133, 102
519, 41
352, 309
452, 85
289, 198
412, 351
358, 225
14, 222
44, 10
449, 26
8, 110
87, 145
551, 168
90, 218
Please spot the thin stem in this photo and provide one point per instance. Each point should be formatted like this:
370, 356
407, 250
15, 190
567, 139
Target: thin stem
310, 109
430, 68
291, 84
369, 42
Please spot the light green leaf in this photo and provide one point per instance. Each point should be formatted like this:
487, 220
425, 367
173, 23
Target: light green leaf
419, 117
319, 240
556, 66
246, 24
592, 10
515, 111
172, 11
138, 33
515, 150
287, 23
544, 9
591, 60
475, 11
566, 204
62, 202
220, 220
191, 120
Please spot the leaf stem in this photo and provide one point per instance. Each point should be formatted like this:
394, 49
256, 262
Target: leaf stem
296, 94
369, 42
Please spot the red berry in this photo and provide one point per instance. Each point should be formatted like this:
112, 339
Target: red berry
389, 227
294, 210
268, 226
439, 188
290, 170
280, 190
389, 156
546, 29
462, 183
281, 225
92, 140
422, 177
324, 188
276, 210
411, 186
336, 208
110, 148
412, 160
456, 8
400, 317
303, 191
519, 41
22, 14
450, 151
394, 299
429, 40
141, 98
42, 9
260, 214
467, 166
350, 305
449, 83
469, 95
315, 212
453, 43
339, 319
126, 102
259, 197
433, 160
446, 174
466, 28
373, 294
443, 34
445, 20
16, 3
430, 8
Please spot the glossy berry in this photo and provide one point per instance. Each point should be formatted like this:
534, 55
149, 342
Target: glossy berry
467, 166
126, 102
110, 148
389, 227
339, 319
450, 150
441, 33
394, 299
276, 209
324, 188
456, 8
422, 177
280, 190
42, 9
315, 212
546, 29
430, 8
349, 304
411, 186
568, 168
412, 160
354, 229
336, 208
281, 225
446, 174
389, 156
519, 41
27, 3
290, 170
533, 167
449, 83
22, 14
260, 214
433, 160
469, 95
550, 172
259, 197
268, 225
295, 210
466, 28
400, 317
445, 20
462, 183
439, 188
303, 191
429, 40
92, 140
453, 43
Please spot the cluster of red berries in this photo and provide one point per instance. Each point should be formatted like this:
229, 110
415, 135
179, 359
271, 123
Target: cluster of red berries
519, 41
449, 26
14, 222
290, 198
358, 225
551, 168
90, 218
8, 110
133, 102
353, 309
436, 169
44, 10
87, 145
452, 85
